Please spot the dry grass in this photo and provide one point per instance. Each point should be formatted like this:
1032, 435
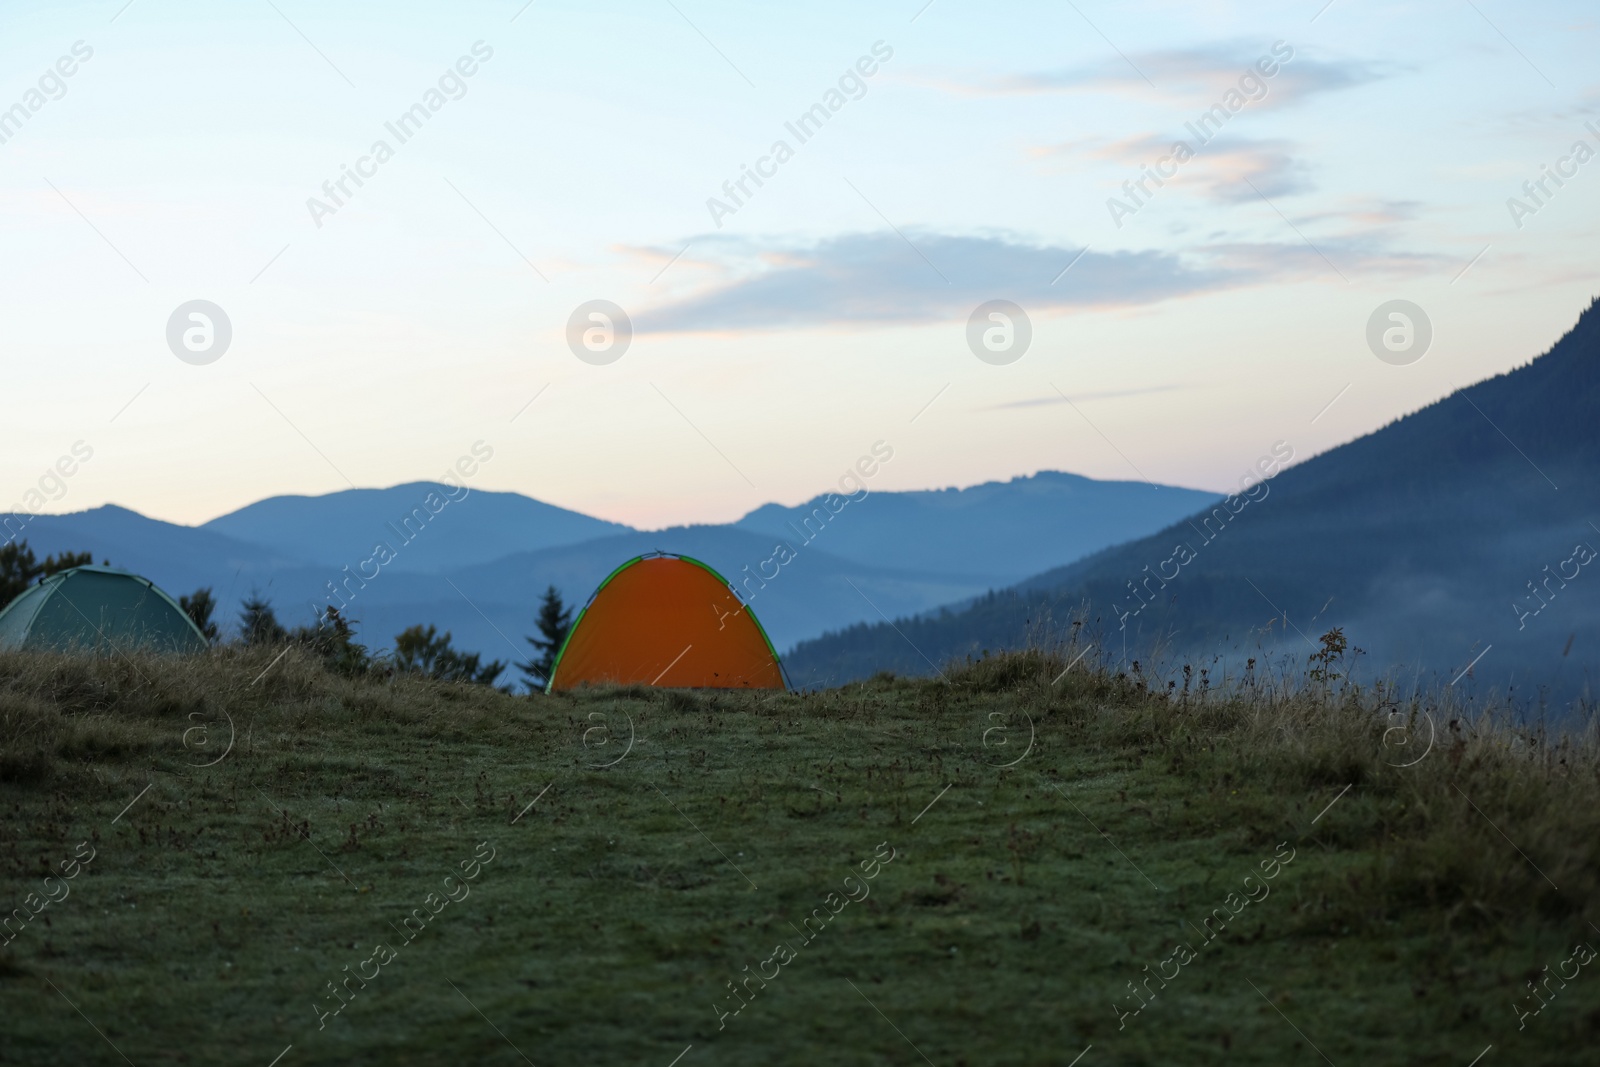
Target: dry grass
1433, 881
1438, 792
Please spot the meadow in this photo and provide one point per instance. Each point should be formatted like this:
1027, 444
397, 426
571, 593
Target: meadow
248, 859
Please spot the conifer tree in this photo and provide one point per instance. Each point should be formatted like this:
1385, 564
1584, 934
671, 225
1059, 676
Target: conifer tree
554, 620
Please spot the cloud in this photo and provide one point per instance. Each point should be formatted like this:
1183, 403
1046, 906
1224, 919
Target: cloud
1351, 253
1083, 398
1220, 167
886, 279
883, 278
1370, 213
1205, 72
1228, 172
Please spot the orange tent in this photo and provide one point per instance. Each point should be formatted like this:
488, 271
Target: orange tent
670, 621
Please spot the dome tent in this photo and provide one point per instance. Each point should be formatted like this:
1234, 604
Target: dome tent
670, 621
98, 609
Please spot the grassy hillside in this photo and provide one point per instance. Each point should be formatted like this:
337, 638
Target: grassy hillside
968, 870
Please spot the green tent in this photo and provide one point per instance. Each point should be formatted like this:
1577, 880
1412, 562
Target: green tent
98, 609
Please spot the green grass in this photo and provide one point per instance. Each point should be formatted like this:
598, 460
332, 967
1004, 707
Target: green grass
614, 912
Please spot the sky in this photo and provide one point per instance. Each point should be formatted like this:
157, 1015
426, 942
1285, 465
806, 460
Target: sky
956, 154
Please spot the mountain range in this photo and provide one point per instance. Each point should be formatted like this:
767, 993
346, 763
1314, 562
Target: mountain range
474, 562
1455, 544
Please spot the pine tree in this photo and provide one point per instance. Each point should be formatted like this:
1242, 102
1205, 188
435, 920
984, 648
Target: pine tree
258, 623
334, 639
199, 606
425, 651
554, 620
19, 568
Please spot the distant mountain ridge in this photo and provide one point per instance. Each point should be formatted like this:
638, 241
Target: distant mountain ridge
344, 527
1431, 541
996, 532
474, 562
